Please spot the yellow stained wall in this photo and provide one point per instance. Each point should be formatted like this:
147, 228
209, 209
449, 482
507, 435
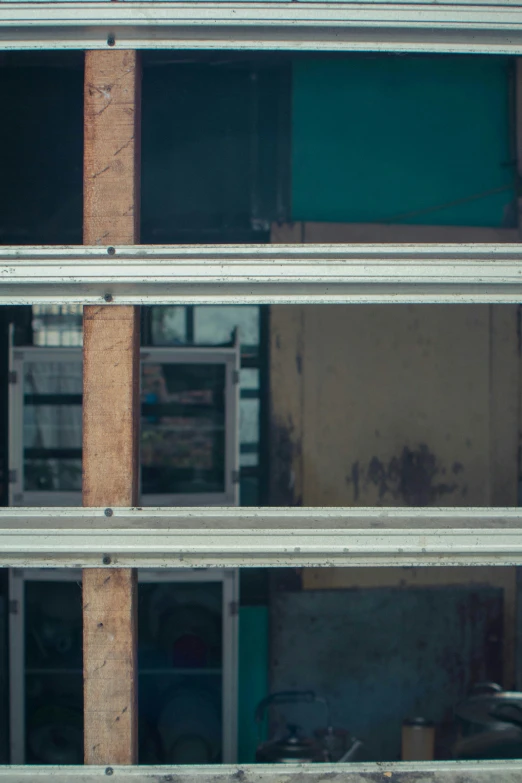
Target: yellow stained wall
396, 405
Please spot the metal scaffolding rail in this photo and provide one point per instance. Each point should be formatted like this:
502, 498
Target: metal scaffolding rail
243, 537
382, 772
264, 274
458, 27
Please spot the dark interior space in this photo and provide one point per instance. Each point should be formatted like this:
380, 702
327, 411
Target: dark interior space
240, 148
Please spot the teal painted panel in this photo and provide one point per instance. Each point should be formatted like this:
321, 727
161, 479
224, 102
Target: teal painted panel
253, 676
419, 140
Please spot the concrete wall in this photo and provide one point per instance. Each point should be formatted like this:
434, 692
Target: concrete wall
396, 405
393, 405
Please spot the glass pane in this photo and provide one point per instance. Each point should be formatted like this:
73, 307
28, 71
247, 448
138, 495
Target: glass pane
249, 378
180, 719
54, 717
54, 680
183, 428
45, 377
180, 626
57, 325
48, 427
249, 421
249, 459
180, 656
52, 475
249, 491
52, 426
216, 324
180, 660
53, 626
168, 325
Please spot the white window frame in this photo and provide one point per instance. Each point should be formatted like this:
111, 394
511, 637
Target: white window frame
229, 580
229, 357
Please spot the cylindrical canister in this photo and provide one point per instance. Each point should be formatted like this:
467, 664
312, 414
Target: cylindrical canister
418, 740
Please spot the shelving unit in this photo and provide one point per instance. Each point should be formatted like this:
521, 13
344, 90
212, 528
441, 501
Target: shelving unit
189, 393
213, 681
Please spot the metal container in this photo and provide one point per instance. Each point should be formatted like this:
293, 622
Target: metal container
418, 740
490, 723
292, 747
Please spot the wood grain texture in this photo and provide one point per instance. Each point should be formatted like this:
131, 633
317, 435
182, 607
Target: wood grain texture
111, 148
111, 403
110, 406
110, 666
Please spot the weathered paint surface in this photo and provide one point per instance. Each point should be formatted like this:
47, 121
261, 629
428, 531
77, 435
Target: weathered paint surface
392, 405
380, 656
419, 772
395, 405
502, 578
286, 392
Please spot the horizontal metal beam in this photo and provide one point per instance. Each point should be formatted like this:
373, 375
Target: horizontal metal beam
269, 274
382, 772
242, 537
476, 27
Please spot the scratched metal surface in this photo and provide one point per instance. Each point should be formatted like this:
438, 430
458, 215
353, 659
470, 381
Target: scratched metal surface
459, 772
382, 655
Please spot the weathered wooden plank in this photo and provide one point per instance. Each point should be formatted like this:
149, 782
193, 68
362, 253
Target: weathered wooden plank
111, 148
110, 389
110, 403
110, 664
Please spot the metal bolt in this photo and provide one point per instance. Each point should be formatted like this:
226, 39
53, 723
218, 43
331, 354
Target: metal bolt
108, 512
109, 771
108, 297
111, 251
111, 40
106, 560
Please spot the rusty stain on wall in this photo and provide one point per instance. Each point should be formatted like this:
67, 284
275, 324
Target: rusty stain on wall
415, 477
285, 450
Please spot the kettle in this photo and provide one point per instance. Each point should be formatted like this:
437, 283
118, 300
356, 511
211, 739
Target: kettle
293, 747
492, 724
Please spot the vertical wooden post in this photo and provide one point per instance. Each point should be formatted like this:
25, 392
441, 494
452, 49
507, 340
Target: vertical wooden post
110, 403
